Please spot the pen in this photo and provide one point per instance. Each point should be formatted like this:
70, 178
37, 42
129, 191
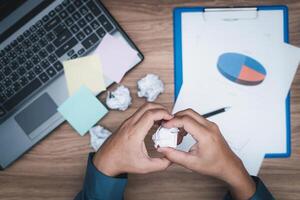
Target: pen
210, 114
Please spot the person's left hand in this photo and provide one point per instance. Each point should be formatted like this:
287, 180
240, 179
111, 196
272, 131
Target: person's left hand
125, 150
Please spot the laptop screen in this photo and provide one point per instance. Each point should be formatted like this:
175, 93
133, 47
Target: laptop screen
15, 13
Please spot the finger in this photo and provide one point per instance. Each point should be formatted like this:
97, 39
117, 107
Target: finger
194, 115
176, 156
157, 164
147, 106
189, 124
147, 120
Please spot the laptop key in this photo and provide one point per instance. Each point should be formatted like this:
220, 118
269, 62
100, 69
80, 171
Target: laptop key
35, 59
2, 99
11, 55
43, 53
1, 77
7, 48
51, 71
94, 8
69, 21
52, 58
66, 2
8, 92
90, 41
70, 53
66, 47
101, 32
80, 36
46, 18
22, 94
21, 71
2, 53
44, 77
81, 51
14, 43
43, 42
87, 30
62, 38
16, 87
2, 88
4, 60
59, 29
7, 82
20, 38
58, 8
33, 38
63, 14
89, 17
58, 66
23, 81
52, 23
50, 48
51, 13
37, 69
26, 43
6, 71
14, 76
105, 23
21, 59
71, 8
76, 15
28, 53
74, 56
41, 32
50, 36
81, 23
35, 48
77, 3
45, 64
95, 24
74, 29
14, 65
28, 65
30, 75
83, 10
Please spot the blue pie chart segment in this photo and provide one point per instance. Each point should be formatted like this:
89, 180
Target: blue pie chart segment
241, 69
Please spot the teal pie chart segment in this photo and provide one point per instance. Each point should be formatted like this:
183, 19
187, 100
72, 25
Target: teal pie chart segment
241, 69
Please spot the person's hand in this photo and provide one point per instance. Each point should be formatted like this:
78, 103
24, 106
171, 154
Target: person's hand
125, 150
211, 155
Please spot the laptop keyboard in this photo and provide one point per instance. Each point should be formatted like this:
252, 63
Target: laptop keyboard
33, 60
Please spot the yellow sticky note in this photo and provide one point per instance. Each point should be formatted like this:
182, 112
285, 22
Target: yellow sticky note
85, 71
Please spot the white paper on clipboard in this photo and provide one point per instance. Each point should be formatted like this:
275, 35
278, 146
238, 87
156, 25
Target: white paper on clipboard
263, 23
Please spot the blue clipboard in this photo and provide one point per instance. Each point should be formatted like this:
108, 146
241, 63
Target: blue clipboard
178, 63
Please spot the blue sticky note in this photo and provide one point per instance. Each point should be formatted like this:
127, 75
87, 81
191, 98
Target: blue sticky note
82, 110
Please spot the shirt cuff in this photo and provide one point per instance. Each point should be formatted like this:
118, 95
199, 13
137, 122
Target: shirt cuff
100, 186
261, 193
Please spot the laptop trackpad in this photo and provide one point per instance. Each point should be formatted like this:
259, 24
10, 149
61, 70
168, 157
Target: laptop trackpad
36, 113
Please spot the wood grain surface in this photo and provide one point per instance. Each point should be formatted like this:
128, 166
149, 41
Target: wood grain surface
54, 169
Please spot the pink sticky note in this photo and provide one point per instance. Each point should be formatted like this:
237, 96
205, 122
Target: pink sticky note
116, 55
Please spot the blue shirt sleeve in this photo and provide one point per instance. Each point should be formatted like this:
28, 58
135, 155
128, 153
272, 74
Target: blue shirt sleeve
98, 186
261, 193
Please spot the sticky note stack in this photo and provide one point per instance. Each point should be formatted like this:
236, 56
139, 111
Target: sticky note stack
82, 110
85, 79
84, 71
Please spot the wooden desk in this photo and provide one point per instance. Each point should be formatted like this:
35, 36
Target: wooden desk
54, 169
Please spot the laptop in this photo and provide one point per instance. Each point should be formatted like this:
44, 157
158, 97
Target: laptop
35, 37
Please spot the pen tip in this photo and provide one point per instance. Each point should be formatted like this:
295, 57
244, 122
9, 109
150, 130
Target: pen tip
227, 108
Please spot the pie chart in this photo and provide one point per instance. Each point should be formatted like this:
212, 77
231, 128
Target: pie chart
241, 69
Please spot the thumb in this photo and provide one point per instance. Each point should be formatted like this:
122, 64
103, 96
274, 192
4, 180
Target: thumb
176, 156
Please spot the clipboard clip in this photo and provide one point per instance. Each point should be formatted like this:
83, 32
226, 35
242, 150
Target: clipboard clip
230, 14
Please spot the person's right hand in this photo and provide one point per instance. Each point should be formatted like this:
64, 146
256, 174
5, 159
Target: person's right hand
211, 155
